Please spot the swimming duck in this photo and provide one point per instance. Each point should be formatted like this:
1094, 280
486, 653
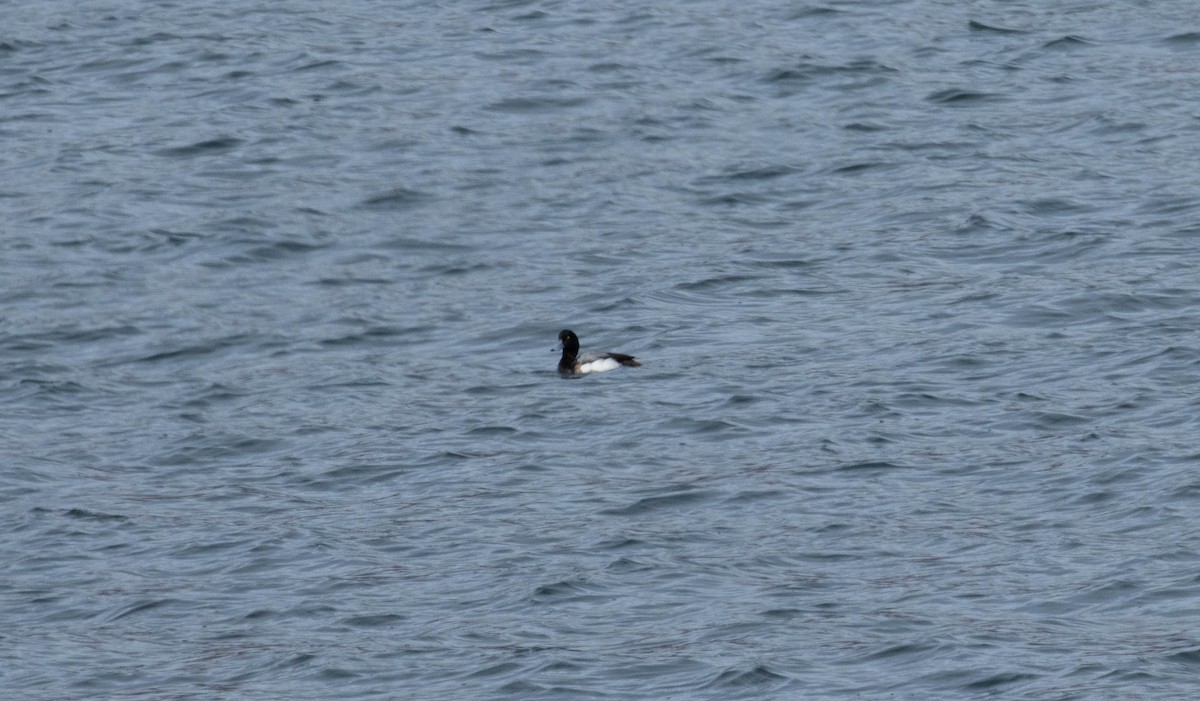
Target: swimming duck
572, 363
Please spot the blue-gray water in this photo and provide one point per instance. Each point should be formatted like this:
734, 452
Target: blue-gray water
915, 285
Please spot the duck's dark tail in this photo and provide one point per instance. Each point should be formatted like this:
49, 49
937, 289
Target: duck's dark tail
626, 360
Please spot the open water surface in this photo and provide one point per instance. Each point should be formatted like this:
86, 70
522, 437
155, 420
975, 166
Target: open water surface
915, 285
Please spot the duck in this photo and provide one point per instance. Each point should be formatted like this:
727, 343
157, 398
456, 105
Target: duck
572, 363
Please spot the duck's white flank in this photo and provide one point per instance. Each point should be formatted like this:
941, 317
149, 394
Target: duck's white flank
601, 365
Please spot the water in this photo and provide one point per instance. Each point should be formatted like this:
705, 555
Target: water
914, 285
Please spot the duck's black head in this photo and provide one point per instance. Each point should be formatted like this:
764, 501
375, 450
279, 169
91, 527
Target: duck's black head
569, 340
570, 349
